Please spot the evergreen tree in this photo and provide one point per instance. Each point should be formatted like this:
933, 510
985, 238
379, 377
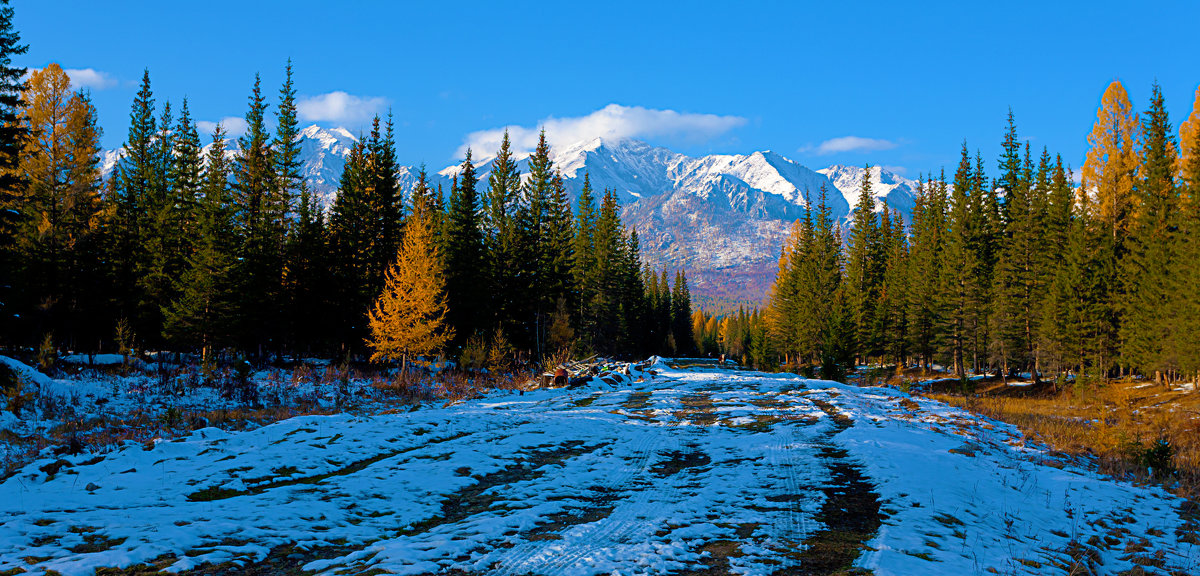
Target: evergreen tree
862, 270
135, 176
681, 312
926, 269
1013, 320
535, 249
584, 264
386, 199
466, 273
504, 186
12, 136
260, 226
958, 290
1148, 304
202, 315
350, 238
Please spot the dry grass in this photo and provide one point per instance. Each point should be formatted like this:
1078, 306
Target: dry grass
1116, 422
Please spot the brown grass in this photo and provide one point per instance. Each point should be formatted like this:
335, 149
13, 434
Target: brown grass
1114, 422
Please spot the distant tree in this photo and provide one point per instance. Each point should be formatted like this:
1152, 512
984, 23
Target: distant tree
409, 317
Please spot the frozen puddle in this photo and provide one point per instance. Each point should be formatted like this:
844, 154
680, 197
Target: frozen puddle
688, 470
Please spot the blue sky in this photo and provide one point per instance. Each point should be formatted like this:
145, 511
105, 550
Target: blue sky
822, 82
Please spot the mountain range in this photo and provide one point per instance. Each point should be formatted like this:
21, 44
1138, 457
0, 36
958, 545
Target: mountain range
723, 218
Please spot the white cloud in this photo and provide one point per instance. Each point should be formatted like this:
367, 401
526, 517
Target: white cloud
234, 126
853, 144
339, 107
611, 122
90, 78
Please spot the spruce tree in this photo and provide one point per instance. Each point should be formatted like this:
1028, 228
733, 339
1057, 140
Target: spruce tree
202, 315
862, 272
261, 229
466, 274
12, 134
133, 204
681, 313
350, 235
1148, 304
959, 263
504, 186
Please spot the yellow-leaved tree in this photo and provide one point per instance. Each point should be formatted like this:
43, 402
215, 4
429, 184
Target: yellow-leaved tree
1189, 150
1112, 163
409, 317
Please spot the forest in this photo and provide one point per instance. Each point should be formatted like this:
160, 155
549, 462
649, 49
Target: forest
225, 254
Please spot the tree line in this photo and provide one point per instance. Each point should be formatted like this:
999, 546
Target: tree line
218, 251
1025, 272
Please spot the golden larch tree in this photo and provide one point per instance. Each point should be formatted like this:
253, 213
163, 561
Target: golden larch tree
1189, 148
409, 317
1112, 162
59, 161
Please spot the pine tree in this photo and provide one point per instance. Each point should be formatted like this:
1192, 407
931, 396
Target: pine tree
350, 237
958, 289
136, 175
535, 248
12, 136
386, 199
584, 265
681, 312
466, 279
1149, 305
504, 186
926, 269
285, 150
986, 233
410, 318
1013, 321
187, 174
862, 270
202, 315
261, 228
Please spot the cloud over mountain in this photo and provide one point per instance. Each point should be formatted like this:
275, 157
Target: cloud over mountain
613, 122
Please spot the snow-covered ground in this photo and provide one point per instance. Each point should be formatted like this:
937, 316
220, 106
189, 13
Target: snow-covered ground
669, 469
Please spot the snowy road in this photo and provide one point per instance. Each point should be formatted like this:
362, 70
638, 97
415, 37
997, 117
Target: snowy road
676, 470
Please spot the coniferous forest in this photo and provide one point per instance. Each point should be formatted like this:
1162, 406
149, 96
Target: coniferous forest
230, 256
1017, 265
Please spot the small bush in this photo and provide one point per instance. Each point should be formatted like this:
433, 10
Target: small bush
474, 354
1158, 458
46, 354
12, 389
